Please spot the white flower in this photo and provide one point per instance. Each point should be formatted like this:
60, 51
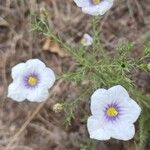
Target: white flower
31, 80
87, 40
113, 114
94, 7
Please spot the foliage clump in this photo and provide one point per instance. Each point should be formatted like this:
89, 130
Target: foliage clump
101, 69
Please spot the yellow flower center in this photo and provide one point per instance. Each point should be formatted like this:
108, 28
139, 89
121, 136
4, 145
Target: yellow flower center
32, 81
112, 112
83, 41
96, 2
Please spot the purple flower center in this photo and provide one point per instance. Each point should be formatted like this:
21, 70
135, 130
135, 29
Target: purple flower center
31, 80
112, 111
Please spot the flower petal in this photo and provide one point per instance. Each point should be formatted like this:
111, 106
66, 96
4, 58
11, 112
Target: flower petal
47, 78
100, 9
18, 70
95, 129
82, 3
16, 92
123, 132
98, 100
38, 94
130, 111
118, 93
35, 63
135, 110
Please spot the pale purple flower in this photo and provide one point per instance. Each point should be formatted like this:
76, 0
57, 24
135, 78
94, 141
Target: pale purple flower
94, 7
87, 40
31, 80
113, 114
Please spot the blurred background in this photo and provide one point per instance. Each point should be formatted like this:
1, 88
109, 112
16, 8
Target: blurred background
127, 21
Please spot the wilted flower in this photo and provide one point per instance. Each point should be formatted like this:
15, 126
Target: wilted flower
87, 40
31, 80
94, 7
113, 114
58, 107
43, 14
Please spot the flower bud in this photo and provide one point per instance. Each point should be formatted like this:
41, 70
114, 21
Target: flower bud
58, 107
